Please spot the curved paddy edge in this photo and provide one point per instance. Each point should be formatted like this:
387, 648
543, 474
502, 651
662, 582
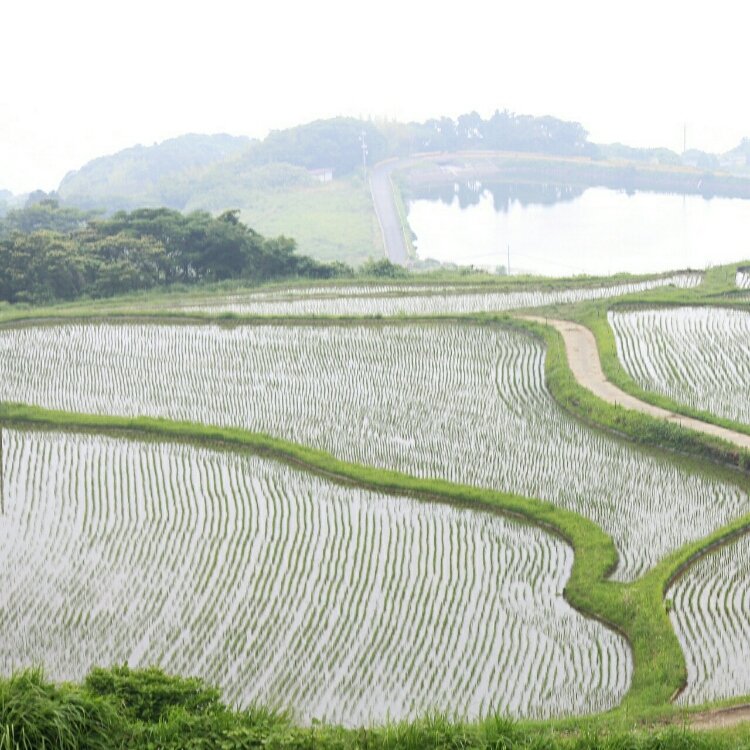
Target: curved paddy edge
599, 325
635, 610
638, 427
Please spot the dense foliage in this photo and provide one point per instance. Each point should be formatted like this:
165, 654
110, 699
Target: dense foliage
337, 143
123, 708
5, 199
149, 175
503, 131
53, 253
44, 214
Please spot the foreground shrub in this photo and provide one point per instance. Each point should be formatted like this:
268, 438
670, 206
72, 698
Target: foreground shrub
35, 714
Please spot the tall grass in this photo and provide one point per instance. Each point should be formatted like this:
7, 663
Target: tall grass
35, 714
101, 715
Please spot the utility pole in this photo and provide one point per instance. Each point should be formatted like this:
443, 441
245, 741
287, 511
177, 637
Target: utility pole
509, 259
363, 142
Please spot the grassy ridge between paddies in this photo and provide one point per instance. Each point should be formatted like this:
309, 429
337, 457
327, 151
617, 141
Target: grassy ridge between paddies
638, 427
168, 301
636, 610
717, 290
646, 594
616, 373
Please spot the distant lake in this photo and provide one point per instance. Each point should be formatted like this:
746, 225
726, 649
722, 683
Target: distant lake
564, 230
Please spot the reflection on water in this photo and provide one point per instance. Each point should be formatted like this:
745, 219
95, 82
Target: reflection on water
504, 195
561, 230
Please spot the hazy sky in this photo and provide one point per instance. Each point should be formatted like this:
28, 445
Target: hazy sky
81, 79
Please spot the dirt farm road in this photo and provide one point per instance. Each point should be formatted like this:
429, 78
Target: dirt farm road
583, 358
720, 718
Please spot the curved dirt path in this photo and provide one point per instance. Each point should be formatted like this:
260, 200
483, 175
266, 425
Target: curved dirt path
720, 718
583, 358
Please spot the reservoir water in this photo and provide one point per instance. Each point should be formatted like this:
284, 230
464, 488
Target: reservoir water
564, 230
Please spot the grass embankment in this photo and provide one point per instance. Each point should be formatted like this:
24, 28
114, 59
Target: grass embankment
646, 594
636, 610
332, 221
615, 372
397, 188
717, 290
120, 708
638, 427
172, 299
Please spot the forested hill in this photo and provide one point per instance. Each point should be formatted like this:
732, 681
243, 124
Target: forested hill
50, 253
213, 172
146, 175
209, 171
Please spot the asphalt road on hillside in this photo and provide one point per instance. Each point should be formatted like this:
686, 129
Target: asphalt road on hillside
387, 213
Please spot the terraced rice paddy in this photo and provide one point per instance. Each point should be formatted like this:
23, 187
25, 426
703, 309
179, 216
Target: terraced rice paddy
743, 279
285, 588
711, 615
697, 356
416, 300
464, 403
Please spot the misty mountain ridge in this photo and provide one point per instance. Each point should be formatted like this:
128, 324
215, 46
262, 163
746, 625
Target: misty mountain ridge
197, 170
144, 173
214, 172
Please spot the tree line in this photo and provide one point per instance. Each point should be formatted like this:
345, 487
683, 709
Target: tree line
338, 142
49, 252
196, 169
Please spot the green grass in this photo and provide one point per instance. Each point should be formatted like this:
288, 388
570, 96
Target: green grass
122, 708
645, 595
717, 290
615, 372
35, 714
402, 210
636, 609
333, 221
159, 301
633, 425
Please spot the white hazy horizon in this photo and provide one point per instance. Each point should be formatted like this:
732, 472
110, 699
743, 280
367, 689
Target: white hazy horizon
83, 79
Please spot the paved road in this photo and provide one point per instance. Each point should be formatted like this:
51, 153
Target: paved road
583, 358
381, 188
385, 208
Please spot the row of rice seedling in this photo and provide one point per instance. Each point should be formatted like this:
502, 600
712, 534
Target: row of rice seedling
710, 611
348, 290
463, 403
395, 300
285, 588
743, 279
695, 356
